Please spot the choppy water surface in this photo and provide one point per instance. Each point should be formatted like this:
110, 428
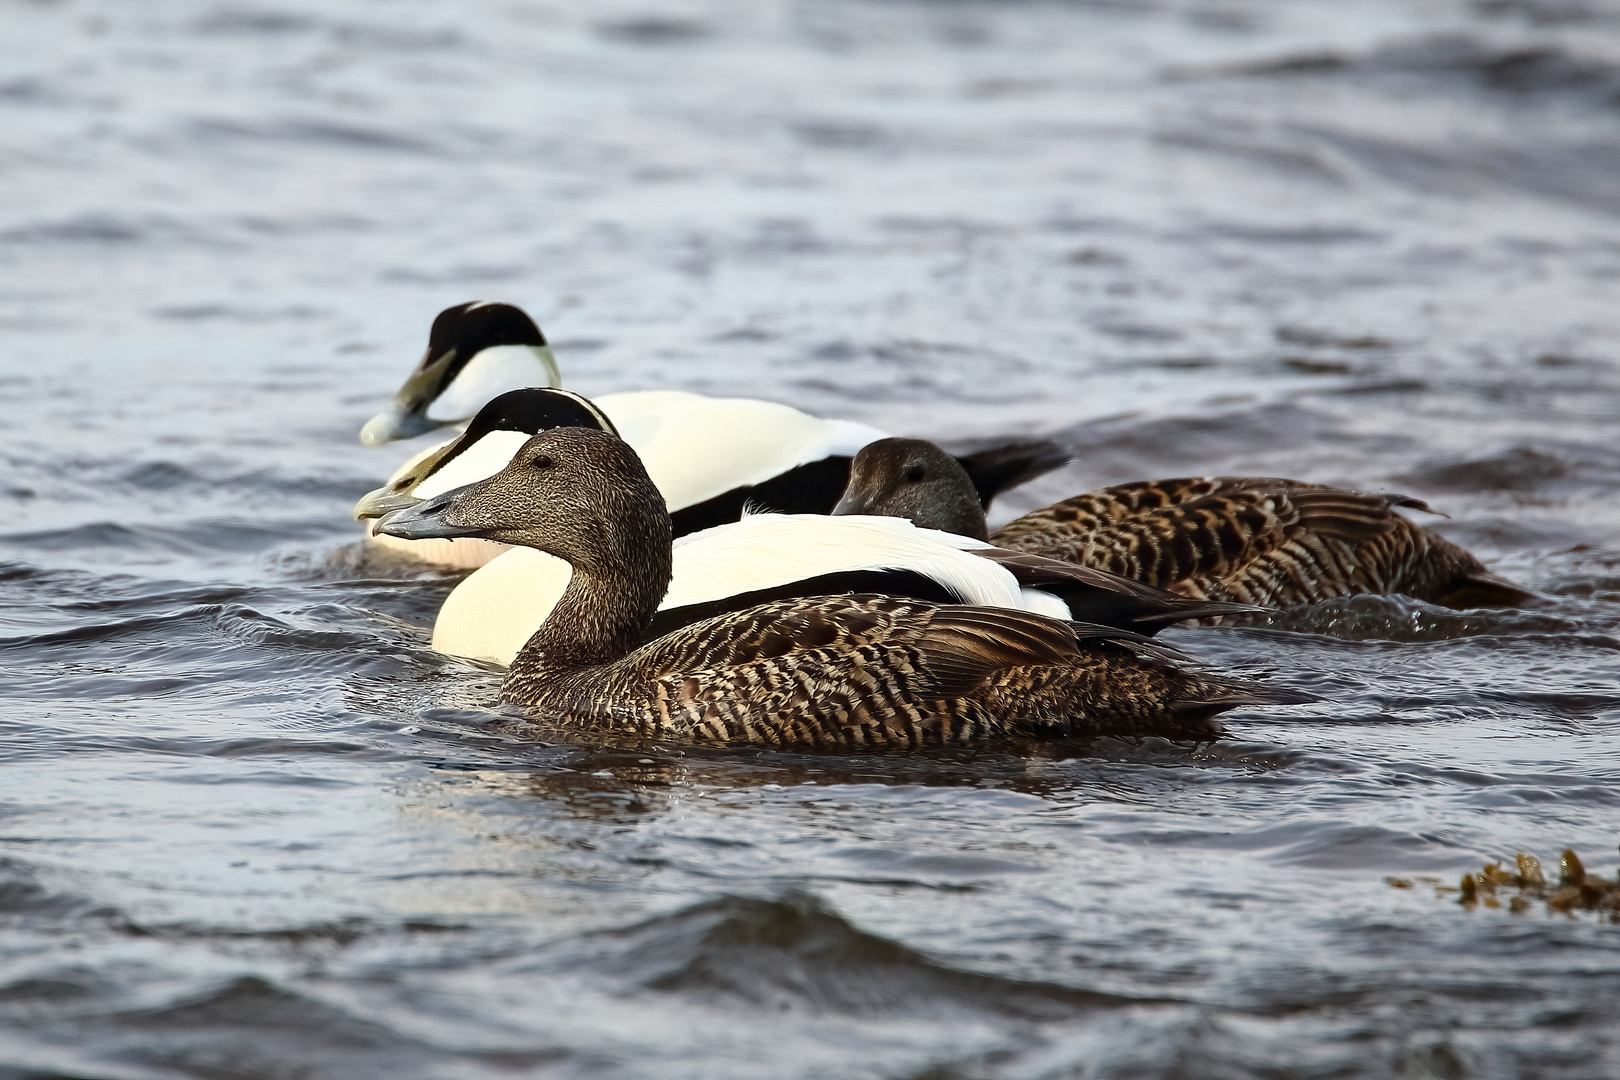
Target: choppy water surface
251, 828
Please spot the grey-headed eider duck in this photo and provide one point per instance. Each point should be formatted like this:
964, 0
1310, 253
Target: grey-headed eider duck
835, 671
1270, 542
763, 557
710, 457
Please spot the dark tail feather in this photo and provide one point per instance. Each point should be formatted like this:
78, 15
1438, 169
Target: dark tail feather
1196, 714
1146, 615
1481, 588
1197, 609
1002, 468
1097, 596
1410, 503
1139, 645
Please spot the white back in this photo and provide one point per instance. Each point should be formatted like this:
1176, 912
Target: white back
763, 551
697, 447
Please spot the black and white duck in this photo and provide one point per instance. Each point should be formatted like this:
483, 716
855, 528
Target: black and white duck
850, 671
1252, 540
494, 611
709, 456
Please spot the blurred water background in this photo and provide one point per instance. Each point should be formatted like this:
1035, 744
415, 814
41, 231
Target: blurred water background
250, 827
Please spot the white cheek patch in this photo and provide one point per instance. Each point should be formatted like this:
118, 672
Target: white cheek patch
493, 372
479, 461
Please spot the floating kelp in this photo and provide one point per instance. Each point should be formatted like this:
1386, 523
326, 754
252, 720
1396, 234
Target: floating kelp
1575, 890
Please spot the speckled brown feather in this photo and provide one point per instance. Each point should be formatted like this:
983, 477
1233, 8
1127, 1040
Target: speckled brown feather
1258, 541
1252, 540
875, 671
1099, 596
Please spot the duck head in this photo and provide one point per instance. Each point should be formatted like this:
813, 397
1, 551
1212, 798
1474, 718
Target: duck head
475, 351
500, 427
911, 478
579, 494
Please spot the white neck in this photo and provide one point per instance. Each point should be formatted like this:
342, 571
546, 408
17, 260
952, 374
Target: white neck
491, 373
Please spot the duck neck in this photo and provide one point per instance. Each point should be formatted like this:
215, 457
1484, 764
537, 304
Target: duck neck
960, 514
611, 597
948, 507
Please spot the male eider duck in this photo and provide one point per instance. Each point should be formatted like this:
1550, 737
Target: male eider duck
834, 671
763, 557
1274, 543
710, 457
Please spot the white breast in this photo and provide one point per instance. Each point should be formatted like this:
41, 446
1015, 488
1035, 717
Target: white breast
490, 615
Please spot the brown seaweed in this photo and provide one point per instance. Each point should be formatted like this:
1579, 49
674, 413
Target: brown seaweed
1577, 889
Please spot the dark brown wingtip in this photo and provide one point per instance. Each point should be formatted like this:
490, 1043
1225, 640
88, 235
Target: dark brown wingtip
1483, 589
1002, 468
1407, 502
1040, 571
1139, 645
1199, 609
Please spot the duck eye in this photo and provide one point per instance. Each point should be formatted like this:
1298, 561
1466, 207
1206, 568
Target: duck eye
541, 461
914, 474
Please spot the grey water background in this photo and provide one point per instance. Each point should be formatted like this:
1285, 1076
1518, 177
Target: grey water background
250, 827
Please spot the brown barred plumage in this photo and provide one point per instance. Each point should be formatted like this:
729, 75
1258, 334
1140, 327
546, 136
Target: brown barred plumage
1265, 541
834, 671
857, 671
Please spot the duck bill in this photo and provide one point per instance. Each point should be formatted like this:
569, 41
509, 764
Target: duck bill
426, 521
396, 494
406, 416
382, 502
850, 504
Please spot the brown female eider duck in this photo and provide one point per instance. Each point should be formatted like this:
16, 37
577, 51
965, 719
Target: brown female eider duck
1270, 542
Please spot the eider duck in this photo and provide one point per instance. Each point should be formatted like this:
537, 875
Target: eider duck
740, 564
1253, 540
852, 671
710, 457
